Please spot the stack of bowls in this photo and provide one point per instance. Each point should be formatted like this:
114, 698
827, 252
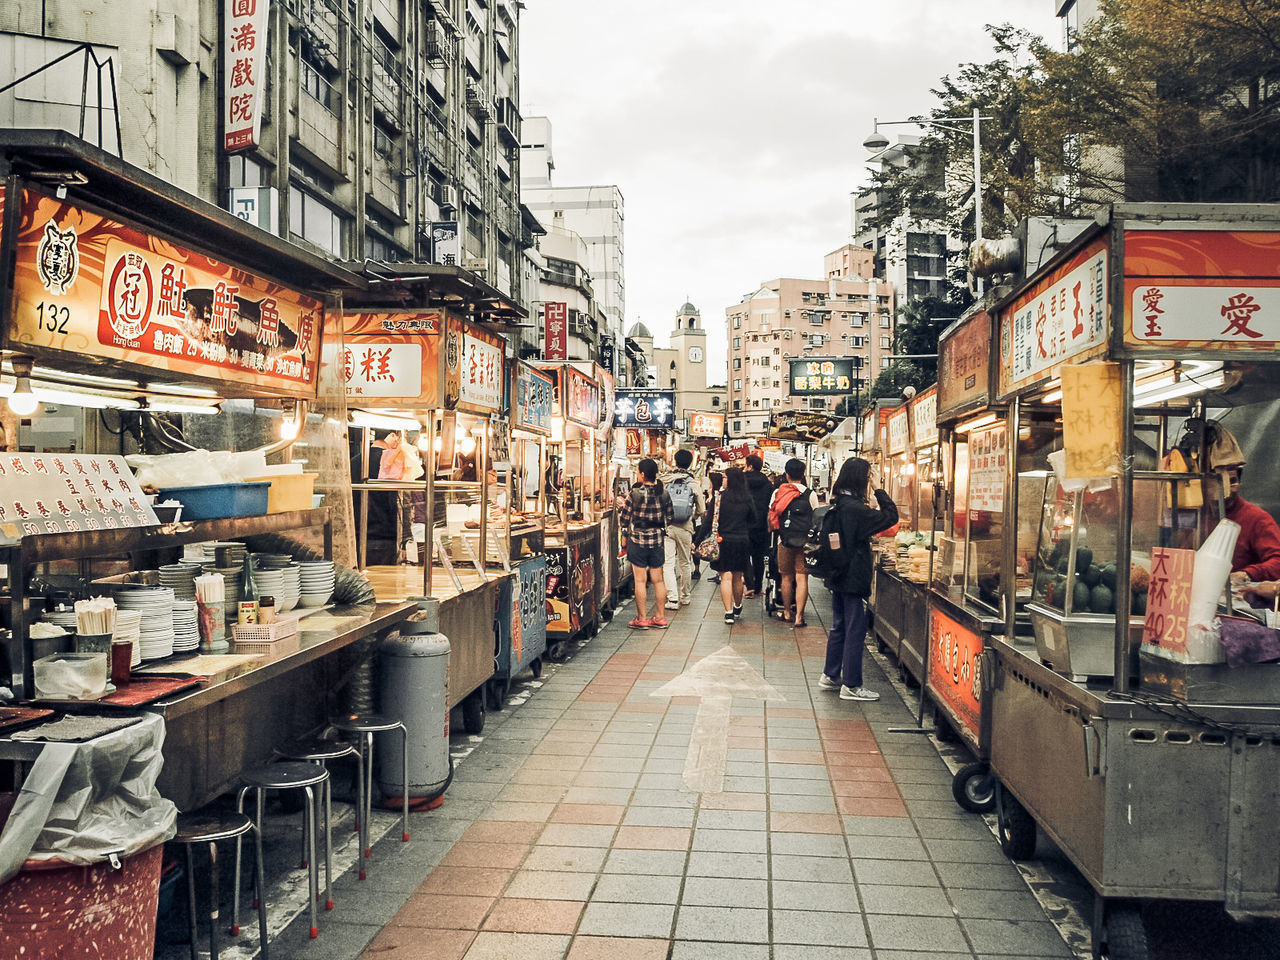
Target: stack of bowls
317, 582
181, 577
270, 583
235, 551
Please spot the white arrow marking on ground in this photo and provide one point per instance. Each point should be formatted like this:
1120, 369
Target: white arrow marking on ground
717, 679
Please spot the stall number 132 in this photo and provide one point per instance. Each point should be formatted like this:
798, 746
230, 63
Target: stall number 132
53, 317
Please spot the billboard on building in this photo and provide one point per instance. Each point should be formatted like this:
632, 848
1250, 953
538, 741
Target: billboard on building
823, 376
706, 424
555, 344
446, 246
244, 62
645, 409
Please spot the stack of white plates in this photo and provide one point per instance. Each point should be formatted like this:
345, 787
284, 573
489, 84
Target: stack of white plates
181, 578
291, 591
270, 583
317, 581
186, 631
128, 627
64, 617
237, 550
155, 632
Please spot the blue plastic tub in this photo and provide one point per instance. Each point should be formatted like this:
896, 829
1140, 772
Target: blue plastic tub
220, 500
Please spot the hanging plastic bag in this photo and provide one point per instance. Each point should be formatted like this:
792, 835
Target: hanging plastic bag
1189, 493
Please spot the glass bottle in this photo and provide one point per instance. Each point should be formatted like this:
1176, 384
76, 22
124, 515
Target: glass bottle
248, 608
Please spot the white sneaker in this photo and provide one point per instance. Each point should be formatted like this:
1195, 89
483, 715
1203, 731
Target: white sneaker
673, 605
826, 683
685, 602
858, 693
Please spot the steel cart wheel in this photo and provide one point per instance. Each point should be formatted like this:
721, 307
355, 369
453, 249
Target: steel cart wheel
1125, 937
974, 788
1016, 827
498, 690
473, 712
536, 667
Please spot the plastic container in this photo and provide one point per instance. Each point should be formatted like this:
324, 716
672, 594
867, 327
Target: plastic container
289, 491
71, 676
219, 500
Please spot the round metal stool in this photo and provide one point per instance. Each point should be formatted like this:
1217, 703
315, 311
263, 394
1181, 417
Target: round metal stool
319, 751
286, 775
197, 828
365, 725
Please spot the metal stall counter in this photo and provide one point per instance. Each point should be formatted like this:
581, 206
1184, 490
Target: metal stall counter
1122, 735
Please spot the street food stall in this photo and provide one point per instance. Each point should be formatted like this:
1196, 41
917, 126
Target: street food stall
456, 519
573, 507
137, 319
607, 581
1121, 734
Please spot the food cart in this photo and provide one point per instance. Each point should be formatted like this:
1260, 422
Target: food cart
126, 296
607, 581
573, 507
1154, 772
444, 375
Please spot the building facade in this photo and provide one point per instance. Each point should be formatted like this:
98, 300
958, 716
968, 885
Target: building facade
785, 319
380, 121
682, 366
563, 277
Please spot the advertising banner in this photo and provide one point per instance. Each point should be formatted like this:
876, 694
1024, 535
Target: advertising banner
1061, 318
818, 377
1164, 632
964, 365
706, 424
582, 398
732, 454
244, 64
924, 418
481, 374
446, 245
801, 425
644, 409
556, 335
92, 286
955, 670
535, 392
392, 357
44, 493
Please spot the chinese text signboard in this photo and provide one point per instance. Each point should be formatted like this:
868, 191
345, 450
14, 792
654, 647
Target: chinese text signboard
608, 394
1164, 632
955, 670
818, 377
706, 424
800, 425
556, 334
986, 470
1201, 289
67, 493
964, 365
1061, 318
645, 409
446, 247
243, 63
1091, 427
535, 392
89, 285
392, 356
924, 418
733, 454
582, 398
480, 387
899, 431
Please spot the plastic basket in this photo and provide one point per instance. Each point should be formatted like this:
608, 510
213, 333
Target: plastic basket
219, 500
280, 629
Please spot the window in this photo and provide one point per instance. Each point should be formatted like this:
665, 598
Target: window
885, 321
755, 403
737, 363
884, 363
715, 401
766, 318
244, 172
859, 341
737, 385
817, 318
884, 343
816, 340
737, 405
312, 221
737, 343
857, 320
737, 426
737, 323
315, 84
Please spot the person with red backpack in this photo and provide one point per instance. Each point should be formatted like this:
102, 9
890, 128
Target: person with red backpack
791, 513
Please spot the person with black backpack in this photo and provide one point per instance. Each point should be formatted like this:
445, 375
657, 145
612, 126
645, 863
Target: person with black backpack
687, 509
791, 517
843, 559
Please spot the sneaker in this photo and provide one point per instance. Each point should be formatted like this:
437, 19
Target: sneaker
858, 693
728, 617
640, 623
673, 604
737, 609
826, 683
685, 602
696, 575
659, 622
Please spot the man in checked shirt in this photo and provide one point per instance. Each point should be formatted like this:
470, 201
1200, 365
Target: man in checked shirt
645, 516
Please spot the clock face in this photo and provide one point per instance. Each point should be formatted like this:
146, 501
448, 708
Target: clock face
695, 354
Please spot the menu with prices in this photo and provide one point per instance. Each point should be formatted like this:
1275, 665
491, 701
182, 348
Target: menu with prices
986, 470
42, 493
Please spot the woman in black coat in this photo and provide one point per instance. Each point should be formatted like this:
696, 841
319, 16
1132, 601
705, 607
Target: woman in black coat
737, 519
857, 521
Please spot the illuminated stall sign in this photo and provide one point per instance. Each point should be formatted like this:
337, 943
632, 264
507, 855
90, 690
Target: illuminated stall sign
473, 368
645, 409
91, 286
924, 418
1214, 290
581, 398
392, 357
822, 376
899, 431
800, 426
535, 392
706, 425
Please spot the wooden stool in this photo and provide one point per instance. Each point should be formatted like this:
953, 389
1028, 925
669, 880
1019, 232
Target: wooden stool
197, 828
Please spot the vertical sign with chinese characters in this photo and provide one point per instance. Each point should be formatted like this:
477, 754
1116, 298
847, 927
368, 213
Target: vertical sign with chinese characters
899, 431
955, 670
986, 470
924, 418
480, 380
556, 342
446, 247
68, 493
964, 365
1091, 427
244, 58
1164, 631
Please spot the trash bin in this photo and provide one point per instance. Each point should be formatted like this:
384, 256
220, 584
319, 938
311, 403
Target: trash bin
81, 850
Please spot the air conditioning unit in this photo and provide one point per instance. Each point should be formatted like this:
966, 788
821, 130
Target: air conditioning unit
449, 196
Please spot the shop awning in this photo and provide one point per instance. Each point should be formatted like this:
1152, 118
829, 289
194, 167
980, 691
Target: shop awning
404, 286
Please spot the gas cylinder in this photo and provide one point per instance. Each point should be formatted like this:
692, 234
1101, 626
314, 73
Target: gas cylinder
414, 671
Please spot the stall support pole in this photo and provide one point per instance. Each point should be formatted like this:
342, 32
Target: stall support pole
482, 474
363, 546
429, 537
1008, 585
1124, 544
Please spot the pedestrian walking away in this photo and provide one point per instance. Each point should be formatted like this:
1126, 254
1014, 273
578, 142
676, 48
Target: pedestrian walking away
687, 508
761, 491
737, 518
645, 516
705, 529
845, 538
791, 517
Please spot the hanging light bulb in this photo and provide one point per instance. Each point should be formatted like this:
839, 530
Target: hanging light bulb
291, 421
468, 445
424, 442
22, 401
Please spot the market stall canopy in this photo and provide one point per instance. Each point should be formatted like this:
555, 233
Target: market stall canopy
406, 286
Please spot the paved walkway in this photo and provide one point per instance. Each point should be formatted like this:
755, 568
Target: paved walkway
570, 831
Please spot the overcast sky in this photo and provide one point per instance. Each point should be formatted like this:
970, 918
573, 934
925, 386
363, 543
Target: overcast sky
734, 129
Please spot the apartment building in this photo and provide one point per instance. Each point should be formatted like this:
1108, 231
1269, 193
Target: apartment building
380, 119
785, 319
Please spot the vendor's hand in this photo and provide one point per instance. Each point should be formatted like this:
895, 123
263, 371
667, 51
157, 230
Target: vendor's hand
1261, 594
1239, 578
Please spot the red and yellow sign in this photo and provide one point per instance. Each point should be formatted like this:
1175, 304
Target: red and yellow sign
964, 365
581, 399
1213, 290
393, 358
473, 368
1164, 632
706, 425
92, 286
955, 670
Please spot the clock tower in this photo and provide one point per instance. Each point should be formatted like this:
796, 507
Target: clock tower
689, 342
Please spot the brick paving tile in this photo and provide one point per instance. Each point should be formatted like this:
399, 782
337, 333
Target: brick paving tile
473, 854
733, 801
618, 948
494, 945
408, 943
467, 881
535, 916
871, 807
444, 911
502, 831
783, 822
588, 813
652, 838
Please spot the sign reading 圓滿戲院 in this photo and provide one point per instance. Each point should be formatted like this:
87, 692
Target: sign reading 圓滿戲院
244, 55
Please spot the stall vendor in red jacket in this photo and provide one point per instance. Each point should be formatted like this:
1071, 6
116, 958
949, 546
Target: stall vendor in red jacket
1257, 553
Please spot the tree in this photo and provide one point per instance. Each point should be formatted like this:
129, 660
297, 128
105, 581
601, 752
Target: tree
1186, 93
